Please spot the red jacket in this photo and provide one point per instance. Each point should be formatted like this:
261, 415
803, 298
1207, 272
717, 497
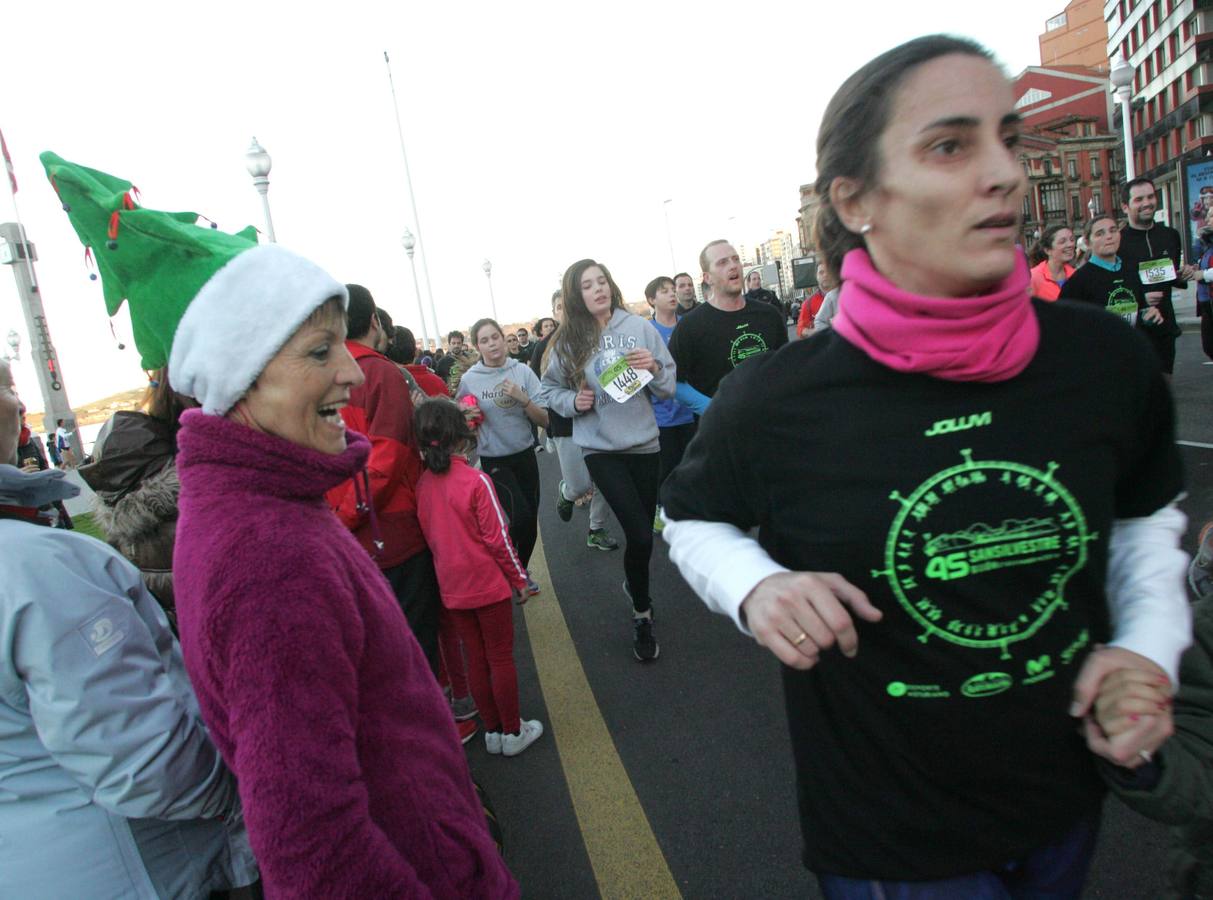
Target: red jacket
381, 409
808, 312
431, 384
470, 535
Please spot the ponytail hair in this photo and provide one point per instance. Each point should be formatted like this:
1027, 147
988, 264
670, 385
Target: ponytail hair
848, 141
442, 431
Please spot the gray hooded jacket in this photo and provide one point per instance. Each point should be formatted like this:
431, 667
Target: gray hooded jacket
611, 426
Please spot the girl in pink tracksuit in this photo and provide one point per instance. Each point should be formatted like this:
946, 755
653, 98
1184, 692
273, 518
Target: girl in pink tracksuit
478, 569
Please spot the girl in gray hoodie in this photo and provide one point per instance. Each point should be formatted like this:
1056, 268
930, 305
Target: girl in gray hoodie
604, 364
506, 391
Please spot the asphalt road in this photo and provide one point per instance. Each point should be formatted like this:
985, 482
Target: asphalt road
675, 778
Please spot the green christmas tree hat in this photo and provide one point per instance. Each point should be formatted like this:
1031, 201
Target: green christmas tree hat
214, 307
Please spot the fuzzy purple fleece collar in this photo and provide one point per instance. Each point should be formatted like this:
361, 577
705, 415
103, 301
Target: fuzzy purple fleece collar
262, 463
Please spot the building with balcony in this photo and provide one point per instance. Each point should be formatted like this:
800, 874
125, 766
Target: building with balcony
1169, 44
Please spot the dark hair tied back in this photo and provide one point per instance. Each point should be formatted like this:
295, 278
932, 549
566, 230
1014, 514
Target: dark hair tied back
441, 431
848, 141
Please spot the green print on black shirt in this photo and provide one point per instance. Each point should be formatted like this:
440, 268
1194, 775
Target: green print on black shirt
745, 345
1121, 300
1033, 524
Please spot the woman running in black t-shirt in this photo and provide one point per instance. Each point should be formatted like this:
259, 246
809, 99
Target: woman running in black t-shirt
991, 476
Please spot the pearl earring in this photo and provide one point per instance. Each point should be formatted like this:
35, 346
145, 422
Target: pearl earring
866, 229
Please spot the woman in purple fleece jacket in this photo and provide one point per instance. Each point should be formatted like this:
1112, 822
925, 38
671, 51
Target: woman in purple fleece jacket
353, 780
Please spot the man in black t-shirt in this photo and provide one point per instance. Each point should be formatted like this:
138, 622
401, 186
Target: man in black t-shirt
714, 338
1155, 252
454, 343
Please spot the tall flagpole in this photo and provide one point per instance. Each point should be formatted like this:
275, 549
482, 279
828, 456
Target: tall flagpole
15, 248
12, 192
425, 269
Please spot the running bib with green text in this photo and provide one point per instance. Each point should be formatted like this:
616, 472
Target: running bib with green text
1156, 271
621, 381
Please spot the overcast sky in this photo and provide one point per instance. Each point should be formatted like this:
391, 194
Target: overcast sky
538, 133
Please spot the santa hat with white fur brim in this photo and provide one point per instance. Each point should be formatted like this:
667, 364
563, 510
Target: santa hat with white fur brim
240, 319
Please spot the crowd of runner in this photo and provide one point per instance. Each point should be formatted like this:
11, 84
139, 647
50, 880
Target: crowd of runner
318, 539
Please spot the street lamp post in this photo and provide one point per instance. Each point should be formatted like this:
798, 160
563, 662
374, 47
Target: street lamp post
1122, 77
488, 273
409, 243
258, 163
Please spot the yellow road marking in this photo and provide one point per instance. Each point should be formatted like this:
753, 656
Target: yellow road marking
627, 861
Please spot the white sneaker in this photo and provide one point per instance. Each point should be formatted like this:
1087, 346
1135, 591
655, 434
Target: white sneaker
492, 742
513, 744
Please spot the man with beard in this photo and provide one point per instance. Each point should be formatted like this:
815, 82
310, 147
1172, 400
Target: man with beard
722, 333
1153, 251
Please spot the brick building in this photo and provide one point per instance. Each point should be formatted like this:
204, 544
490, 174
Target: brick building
1077, 36
1069, 153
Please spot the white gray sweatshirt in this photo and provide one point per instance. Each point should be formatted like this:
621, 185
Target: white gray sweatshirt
611, 426
505, 429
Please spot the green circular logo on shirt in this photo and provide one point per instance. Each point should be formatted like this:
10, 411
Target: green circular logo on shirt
744, 346
1007, 535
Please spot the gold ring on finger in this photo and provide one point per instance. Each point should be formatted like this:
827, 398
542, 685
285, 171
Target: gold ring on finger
799, 639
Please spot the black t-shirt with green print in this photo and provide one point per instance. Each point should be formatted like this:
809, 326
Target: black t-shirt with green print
976, 516
709, 343
1117, 292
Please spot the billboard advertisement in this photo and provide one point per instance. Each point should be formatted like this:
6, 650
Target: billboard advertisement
1198, 200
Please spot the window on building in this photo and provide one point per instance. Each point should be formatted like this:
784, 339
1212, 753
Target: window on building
1053, 197
1095, 172
1075, 208
1113, 166
1027, 209
1175, 94
1173, 42
1072, 168
1188, 80
1048, 167
1097, 196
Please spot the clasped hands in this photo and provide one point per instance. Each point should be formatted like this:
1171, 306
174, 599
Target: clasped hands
1122, 698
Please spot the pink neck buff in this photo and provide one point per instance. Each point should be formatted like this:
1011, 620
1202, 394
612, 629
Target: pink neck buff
990, 337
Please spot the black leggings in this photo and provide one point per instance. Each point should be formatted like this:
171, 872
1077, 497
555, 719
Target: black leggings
516, 478
629, 483
415, 585
674, 440
1206, 328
